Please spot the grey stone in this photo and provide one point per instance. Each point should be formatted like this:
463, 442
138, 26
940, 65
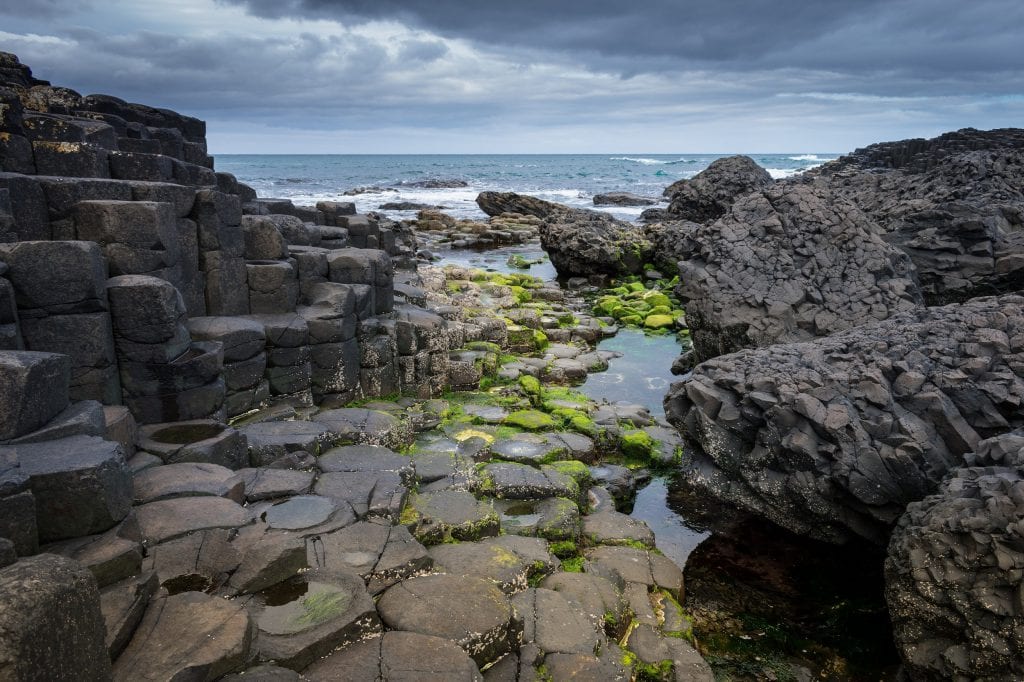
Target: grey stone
651, 647
34, 390
199, 440
368, 493
636, 566
398, 657
165, 520
137, 237
381, 553
109, 557
300, 512
187, 479
89, 341
268, 557
508, 561
600, 598
270, 440
711, 193
187, 636
51, 620
555, 625
512, 481
263, 239
471, 612
269, 484
241, 338
366, 458
58, 278
200, 561
448, 515
123, 605
614, 528
84, 418
359, 425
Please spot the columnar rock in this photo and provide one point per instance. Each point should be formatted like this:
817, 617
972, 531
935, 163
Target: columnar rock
33, 390
51, 622
289, 368
334, 350
371, 271
218, 217
579, 242
60, 291
244, 344
164, 375
954, 572
954, 203
10, 334
832, 438
789, 263
710, 194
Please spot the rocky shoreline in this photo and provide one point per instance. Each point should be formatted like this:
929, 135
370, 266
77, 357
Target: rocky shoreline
244, 439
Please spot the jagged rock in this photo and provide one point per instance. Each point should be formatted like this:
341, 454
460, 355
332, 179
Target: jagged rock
471, 612
710, 194
579, 242
397, 656
622, 199
187, 636
123, 605
381, 553
789, 263
509, 561
267, 557
51, 622
305, 619
954, 203
953, 575
833, 438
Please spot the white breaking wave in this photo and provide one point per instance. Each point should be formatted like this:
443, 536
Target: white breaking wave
646, 162
806, 157
780, 173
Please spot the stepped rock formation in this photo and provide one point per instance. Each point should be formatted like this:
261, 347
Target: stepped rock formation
954, 203
788, 263
832, 438
954, 573
707, 196
579, 242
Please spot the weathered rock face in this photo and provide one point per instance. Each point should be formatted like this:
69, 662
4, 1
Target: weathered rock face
579, 242
788, 263
833, 438
953, 576
954, 203
708, 195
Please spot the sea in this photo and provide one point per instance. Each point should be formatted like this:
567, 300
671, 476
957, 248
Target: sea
570, 179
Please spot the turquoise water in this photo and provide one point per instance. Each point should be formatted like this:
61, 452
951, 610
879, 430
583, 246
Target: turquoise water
565, 178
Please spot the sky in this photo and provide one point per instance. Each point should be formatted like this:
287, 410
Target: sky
540, 76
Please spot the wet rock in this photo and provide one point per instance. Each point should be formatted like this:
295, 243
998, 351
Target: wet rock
7, 554
305, 619
81, 485
529, 449
554, 625
447, 515
552, 518
614, 528
51, 620
165, 520
303, 511
617, 480
264, 673
652, 648
200, 561
471, 612
382, 554
600, 598
508, 561
801, 263
636, 566
886, 409
953, 575
187, 480
123, 605
187, 636
711, 193
398, 656
622, 199
507, 480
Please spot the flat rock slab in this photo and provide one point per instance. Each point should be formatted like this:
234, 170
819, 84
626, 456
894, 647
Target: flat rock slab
187, 636
108, 556
51, 622
449, 515
187, 480
589, 668
198, 440
269, 484
382, 554
302, 620
366, 458
553, 518
614, 528
165, 520
82, 485
488, 414
554, 624
299, 512
601, 599
508, 561
397, 657
652, 647
636, 566
513, 481
267, 557
123, 604
371, 427
528, 449
201, 561
264, 673
369, 493
269, 441
471, 612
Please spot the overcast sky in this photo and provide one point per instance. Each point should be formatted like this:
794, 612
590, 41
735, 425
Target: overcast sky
463, 76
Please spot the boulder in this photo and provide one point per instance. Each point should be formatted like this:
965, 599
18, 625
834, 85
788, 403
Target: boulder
789, 263
51, 622
833, 438
622, 199
33, 390
709, 195
953, 575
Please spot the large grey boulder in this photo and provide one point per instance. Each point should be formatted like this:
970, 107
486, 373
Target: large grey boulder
953, 575
56, 278
789, 263
833, 438
710, 194
51, 622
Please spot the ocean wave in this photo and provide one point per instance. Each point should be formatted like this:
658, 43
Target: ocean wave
780, 173
649, 162
805, 157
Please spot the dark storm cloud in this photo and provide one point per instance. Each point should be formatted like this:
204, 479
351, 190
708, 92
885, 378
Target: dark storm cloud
934, 40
